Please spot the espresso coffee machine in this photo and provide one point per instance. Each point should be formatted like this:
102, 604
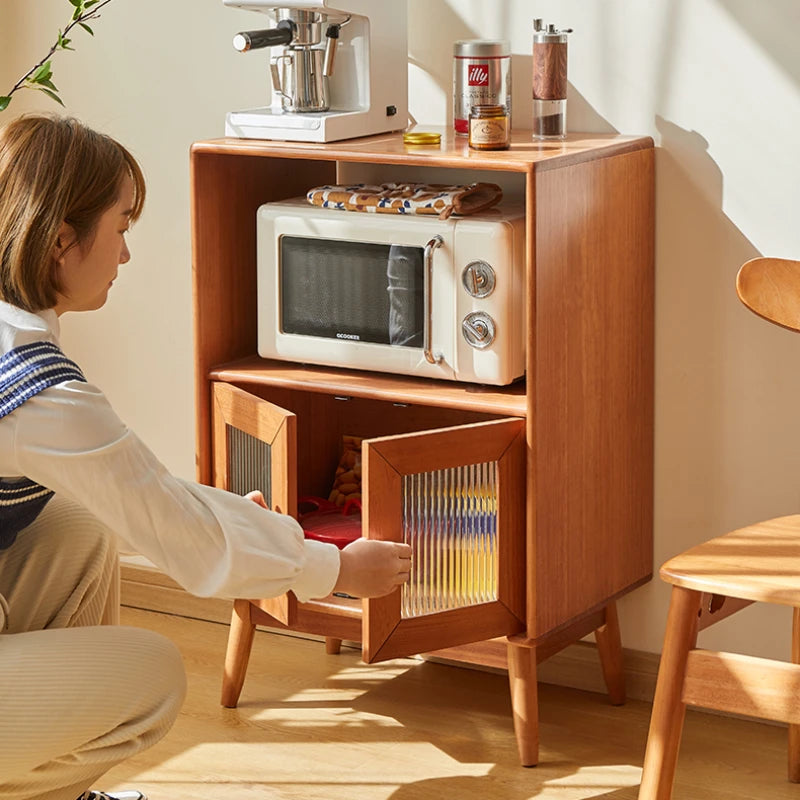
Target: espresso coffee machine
337, 68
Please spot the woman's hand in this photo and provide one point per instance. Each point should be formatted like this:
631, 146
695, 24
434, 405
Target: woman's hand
370, 568
367, 567
257, 498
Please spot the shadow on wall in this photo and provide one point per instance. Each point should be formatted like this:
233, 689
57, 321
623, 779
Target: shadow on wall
698, 252
725, 384
774, 25
433, 29
581, 116
717, 366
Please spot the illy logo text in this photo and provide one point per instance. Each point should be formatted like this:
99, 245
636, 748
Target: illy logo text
478, 75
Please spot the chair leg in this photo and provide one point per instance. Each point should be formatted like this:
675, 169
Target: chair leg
794, 730
609, 648
669, 710
240, 641
524, 702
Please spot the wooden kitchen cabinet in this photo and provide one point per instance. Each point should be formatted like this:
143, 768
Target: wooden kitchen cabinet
564, 458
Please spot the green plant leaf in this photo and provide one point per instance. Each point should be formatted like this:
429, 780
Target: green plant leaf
40, 76
52, 94
42, 73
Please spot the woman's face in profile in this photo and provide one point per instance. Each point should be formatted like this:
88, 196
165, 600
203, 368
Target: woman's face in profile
86, 273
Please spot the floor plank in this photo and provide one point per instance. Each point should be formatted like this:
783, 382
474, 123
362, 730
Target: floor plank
315, 726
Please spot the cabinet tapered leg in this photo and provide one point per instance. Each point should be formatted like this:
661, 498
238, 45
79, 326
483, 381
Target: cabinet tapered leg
794, 730
609, 647
240, 641
669, 710
332, 646
524, 702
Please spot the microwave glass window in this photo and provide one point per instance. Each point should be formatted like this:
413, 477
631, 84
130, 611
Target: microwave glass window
357, 291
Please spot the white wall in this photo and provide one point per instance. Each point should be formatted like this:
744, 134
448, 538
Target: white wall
715, 82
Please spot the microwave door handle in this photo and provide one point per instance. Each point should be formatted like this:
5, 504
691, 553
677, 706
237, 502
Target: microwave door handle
427, 345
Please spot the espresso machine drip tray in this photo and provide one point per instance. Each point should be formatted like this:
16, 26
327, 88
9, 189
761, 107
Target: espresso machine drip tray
274, 123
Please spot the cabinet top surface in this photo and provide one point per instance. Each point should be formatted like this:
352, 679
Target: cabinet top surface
523, 155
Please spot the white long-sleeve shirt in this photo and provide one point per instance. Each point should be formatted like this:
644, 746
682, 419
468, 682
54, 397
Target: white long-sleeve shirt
214, 543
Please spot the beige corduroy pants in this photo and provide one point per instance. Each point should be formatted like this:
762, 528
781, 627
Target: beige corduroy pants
78, 693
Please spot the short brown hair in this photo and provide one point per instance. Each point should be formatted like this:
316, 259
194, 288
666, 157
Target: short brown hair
53, 170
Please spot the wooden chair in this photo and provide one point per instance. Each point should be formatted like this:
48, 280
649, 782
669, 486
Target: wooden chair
759, 563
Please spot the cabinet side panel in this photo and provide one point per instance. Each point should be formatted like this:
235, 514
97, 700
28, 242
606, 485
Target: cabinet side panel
593, 477
227, 188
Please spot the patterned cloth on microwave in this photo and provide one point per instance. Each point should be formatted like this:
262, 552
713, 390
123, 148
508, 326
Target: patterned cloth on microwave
408, 198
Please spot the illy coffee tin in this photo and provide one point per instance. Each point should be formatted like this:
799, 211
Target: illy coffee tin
481, 77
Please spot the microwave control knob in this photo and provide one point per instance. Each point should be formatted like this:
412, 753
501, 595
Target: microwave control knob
478, 279
478, 329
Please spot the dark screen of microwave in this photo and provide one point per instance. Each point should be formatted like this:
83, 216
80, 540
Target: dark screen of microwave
355, 291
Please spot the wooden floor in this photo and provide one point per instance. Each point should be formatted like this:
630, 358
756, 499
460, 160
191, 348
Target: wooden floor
313, 726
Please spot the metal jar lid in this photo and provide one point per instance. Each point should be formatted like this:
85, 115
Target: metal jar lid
481, 48
421, 137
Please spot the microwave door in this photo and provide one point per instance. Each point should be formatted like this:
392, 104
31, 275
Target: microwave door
353, 291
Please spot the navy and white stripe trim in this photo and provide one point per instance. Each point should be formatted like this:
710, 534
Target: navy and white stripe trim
29, 369
21, 502
15, 492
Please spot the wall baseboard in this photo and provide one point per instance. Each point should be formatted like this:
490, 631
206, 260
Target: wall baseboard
576, 666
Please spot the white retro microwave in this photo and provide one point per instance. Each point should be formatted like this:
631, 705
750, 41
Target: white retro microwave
406, 294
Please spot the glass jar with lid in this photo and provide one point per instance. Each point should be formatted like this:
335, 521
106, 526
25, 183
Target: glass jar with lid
489, 128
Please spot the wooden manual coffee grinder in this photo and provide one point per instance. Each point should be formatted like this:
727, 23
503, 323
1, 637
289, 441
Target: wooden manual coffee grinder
549, 81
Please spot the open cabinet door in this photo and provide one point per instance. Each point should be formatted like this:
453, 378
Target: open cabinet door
255, 447
464, 517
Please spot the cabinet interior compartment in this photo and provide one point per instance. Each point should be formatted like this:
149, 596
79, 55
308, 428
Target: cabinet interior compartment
423, 482
324, 419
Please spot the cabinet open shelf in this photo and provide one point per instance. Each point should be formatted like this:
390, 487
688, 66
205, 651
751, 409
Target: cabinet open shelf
509, 400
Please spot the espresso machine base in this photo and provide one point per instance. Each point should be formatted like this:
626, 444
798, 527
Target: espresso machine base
329, 126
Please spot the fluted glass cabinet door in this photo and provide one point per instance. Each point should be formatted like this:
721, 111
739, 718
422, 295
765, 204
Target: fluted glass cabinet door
457, 496
255, 447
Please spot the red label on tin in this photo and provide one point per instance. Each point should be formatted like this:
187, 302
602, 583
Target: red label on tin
478, 75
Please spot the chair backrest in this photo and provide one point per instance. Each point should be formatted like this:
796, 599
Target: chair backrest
770, 287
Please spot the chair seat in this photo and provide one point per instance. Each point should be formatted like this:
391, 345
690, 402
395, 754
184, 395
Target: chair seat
770, 287
760, 562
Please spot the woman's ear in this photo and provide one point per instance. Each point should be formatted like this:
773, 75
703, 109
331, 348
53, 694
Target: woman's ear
65, 239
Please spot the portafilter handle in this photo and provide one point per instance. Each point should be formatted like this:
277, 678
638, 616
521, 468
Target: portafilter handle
270, 37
